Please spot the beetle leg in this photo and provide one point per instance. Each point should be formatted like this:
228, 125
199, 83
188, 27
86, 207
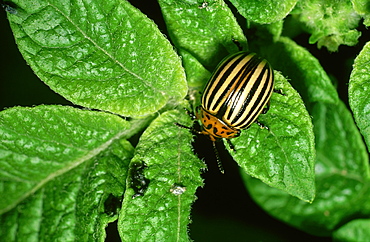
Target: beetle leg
189, 128
266, 108
237, 43
231, 146
279, 91
262, 126
193, 130
183, 126
191, 114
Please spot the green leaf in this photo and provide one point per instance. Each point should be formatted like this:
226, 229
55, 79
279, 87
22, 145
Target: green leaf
58, 211
283, 155
264, 12
358, 92
355, 230
99, 54
195, 29
339, 145
302, 69
331, 23
196, 74
58, 165
275, 29
342, 177
263, 35
169, 175
362, 7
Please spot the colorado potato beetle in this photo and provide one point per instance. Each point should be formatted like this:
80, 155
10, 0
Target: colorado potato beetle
238, 91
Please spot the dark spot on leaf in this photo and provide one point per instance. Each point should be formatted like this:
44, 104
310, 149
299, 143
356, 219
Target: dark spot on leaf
112, 205
138, 182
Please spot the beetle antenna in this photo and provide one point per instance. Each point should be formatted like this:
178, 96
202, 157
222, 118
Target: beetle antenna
219, 163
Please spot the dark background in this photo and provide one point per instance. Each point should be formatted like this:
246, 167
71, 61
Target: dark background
223, 211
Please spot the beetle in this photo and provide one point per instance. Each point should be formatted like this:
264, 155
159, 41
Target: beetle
238, 91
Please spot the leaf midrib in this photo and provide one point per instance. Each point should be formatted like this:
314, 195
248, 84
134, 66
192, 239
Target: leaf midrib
71, 165
104, 51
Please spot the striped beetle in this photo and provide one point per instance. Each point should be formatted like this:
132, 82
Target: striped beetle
237, 92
